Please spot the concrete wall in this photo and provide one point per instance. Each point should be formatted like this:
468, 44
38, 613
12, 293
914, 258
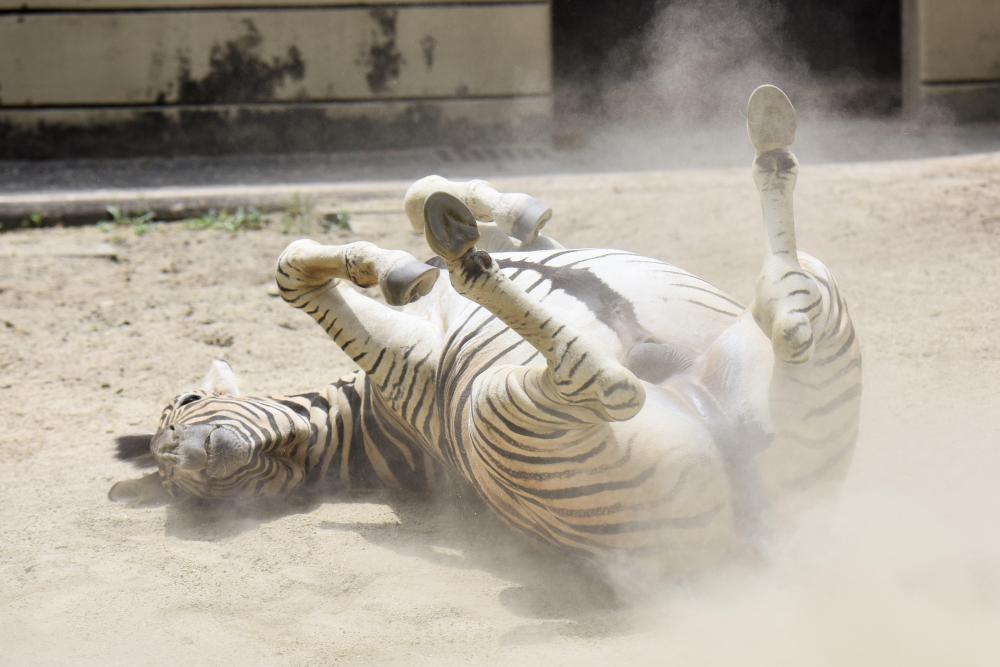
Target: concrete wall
107, 77
952, 57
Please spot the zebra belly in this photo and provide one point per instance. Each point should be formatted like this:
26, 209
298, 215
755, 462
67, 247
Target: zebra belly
616, 298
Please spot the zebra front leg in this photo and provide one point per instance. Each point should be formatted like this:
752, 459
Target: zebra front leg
400, 277
390, 346
514, 220
578, 374
815, 390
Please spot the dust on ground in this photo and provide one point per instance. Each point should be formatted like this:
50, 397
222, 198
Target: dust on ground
907, 571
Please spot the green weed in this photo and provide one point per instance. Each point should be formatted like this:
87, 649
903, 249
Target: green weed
140, 224
338, 221
242, 219
33, 221
298, 216
301, 217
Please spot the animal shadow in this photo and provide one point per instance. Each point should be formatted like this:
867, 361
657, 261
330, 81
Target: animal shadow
562, 595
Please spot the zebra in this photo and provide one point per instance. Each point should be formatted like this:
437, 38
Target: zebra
609, 404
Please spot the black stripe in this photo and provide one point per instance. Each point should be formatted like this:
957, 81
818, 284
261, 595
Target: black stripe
297, 408
713, 292
591, 489
718, 310
643, 525
519, 430
844, 370
836, 402
840, 352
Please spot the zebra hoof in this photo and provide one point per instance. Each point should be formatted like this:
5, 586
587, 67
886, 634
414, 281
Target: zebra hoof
770, 119
450, 229
527, 225
408, 281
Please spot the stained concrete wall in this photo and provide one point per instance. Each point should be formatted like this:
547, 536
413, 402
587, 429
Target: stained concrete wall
106, 77
952, 57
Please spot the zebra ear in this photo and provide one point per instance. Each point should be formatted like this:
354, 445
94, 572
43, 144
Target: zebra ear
220, 379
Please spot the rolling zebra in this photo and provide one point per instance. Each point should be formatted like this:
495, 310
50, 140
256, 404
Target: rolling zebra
607, 403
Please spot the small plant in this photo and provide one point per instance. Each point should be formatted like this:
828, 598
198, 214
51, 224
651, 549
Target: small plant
242, 219
140, 224
33, 221
208, 220
338, 221
298, 215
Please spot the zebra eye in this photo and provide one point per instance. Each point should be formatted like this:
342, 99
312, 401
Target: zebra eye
187, 399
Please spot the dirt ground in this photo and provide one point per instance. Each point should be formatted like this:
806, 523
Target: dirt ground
93, 344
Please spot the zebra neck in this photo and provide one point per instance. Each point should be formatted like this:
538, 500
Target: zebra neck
332, 414
357, 441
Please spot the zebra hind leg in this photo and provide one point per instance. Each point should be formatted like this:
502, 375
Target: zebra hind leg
815, 389
578, 373
787, 301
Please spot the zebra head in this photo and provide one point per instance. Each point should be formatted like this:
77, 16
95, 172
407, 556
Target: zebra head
213, 442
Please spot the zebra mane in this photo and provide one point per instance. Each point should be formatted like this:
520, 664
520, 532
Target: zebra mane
135, 449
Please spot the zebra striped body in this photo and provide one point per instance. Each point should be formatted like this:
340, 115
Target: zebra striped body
608, 403
674, 479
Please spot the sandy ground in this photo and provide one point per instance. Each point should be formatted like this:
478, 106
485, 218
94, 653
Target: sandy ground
907, 572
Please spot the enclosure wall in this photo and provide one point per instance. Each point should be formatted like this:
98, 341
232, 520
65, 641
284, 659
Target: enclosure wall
106, 77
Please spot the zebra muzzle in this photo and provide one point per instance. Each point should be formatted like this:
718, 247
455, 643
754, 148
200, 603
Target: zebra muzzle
215, 450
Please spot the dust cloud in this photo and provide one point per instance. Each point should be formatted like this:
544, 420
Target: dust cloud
699, 59
674, 94
677, 90
903, 568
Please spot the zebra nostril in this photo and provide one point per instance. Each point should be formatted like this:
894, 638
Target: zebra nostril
163, 443
182, 446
